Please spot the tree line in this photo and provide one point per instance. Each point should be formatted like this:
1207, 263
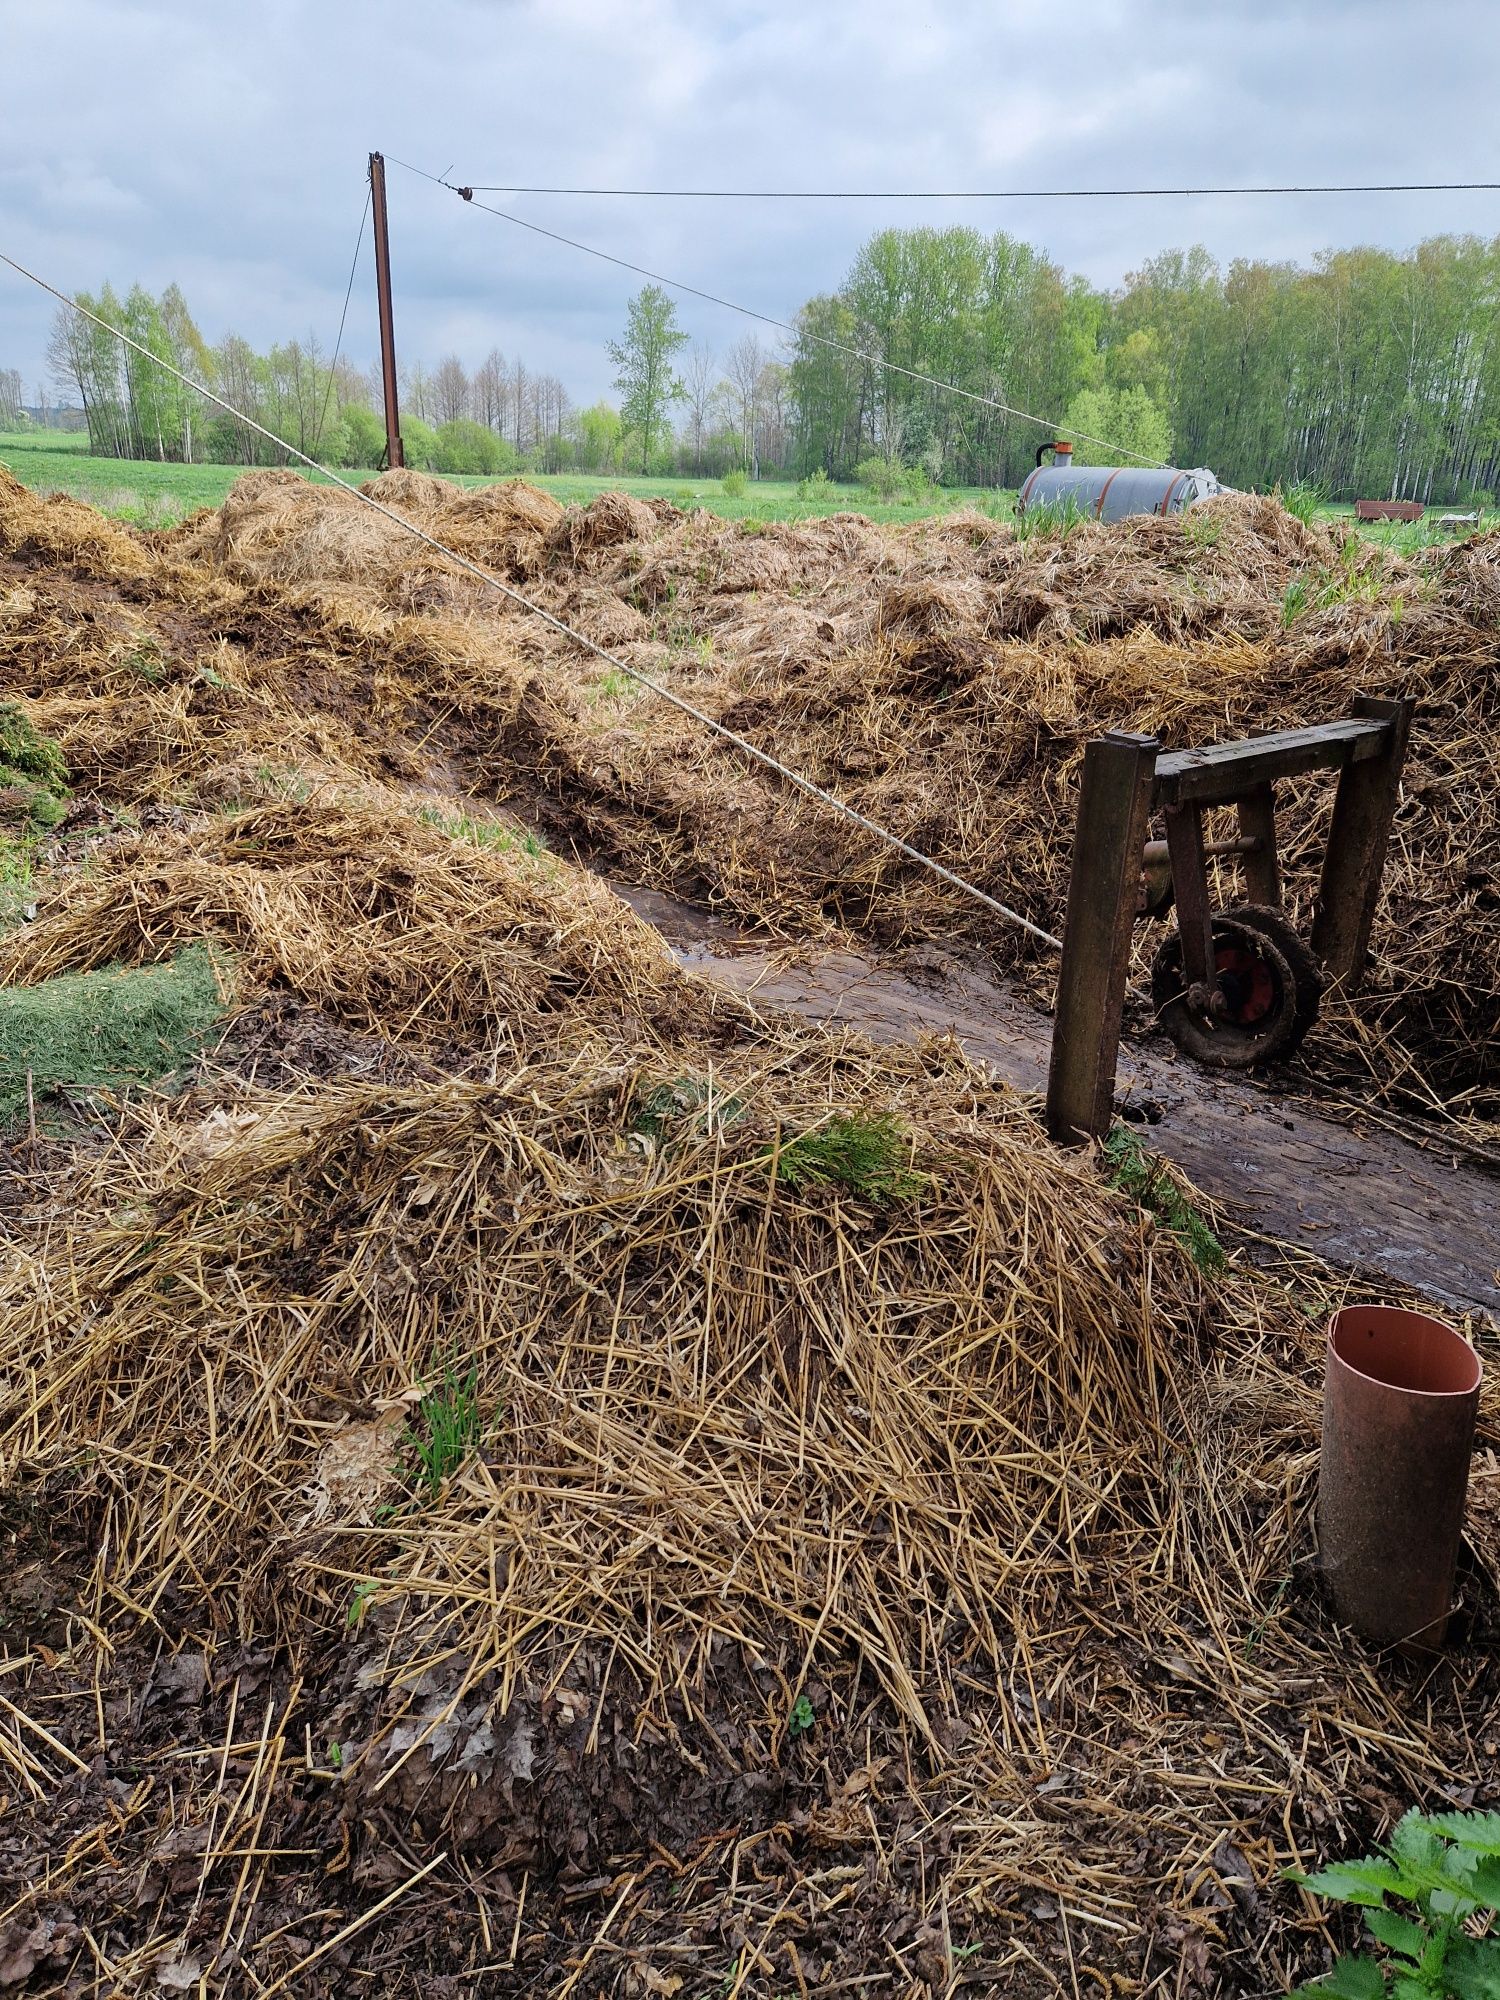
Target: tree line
1369, 373
1366, 373
499, 419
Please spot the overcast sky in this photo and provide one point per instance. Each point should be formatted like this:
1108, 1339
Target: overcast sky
225, 146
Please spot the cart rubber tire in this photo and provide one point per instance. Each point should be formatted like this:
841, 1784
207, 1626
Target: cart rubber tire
1308, 976
1273, 980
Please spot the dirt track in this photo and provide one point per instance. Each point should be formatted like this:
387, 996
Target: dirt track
1361, 1198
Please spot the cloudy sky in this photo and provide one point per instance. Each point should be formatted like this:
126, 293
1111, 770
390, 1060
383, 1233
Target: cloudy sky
225, 146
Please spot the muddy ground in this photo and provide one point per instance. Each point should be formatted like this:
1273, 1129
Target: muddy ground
1288, 1161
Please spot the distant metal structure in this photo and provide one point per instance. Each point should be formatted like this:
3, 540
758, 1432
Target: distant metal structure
1388, 510
1111, 492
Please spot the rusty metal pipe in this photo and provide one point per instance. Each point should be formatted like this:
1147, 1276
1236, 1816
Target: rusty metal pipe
1156, 851
1400, 1398
1158, 888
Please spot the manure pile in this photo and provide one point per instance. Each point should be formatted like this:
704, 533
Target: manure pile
943, 679
522, 1475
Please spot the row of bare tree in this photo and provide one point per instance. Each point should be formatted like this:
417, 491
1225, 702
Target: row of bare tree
515, 402
740, 412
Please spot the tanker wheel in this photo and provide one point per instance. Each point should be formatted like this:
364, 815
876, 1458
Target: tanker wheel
1271, 985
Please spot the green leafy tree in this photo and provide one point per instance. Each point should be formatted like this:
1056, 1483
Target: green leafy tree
830, 388
241, 380
990, 316
364, 434
420, 443
599, 431
1364, 373
1137, 362
1126, 418
335, 446
643, 363
465, 446
89, 357
190, 352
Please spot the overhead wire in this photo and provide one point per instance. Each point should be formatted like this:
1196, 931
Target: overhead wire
466, 194
359, 244
995, 194
741, 743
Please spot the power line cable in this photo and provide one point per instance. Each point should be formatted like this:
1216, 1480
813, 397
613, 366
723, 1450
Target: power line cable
359, 244
995, 194
784, 326
741, 743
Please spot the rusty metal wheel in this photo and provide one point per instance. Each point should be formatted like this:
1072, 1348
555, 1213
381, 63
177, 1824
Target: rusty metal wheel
1270, 982
1308, 976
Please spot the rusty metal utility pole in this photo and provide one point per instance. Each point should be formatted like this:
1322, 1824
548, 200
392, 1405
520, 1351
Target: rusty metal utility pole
394, 453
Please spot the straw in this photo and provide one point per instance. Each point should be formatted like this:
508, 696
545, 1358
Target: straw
864, 1568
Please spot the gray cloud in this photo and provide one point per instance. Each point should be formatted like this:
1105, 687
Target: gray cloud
225, 148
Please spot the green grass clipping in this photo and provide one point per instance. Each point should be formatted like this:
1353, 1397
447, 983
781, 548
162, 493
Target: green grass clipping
33, 775
115, 1029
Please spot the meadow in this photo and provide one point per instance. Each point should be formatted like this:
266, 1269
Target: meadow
155, 495
151, 494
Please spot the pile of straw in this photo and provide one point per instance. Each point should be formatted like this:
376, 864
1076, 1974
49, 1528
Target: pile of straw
274, 524
387, 922
874, 1556
944, 1550
952, 699
944, 678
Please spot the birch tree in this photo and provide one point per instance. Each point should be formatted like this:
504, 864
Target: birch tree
644, 374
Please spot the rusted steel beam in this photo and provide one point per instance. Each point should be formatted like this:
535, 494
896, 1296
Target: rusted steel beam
1155, 852
394, 451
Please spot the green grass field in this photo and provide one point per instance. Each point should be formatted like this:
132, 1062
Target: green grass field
136, 490
155, 496
152, 495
